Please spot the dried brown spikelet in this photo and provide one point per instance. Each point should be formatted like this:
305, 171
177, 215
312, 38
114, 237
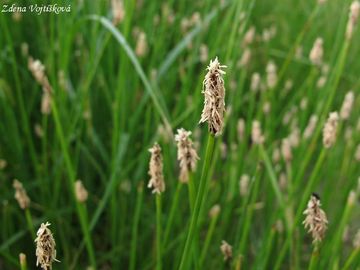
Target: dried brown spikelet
353, 18
317, 52
214, 102
81, 193
226, 250
21, 195
45, 247
186, 154
315, 221
347, 105
256, 134
245, 59
249, 36
329, 130
156, 170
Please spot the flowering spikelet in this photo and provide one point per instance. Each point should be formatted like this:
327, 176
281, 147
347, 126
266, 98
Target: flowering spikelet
271, 75
286, 150
204, 53
186, 154
245, 58
309, 130
356, 241
329, 131
317, 52
249, 36
38, 71
214, 92
80, 191
255, 82
315, 221
45, 247
22, 259
141, 45
347, 105
214, 211
244, 185
226, 250
240, 127
353, 18
21, 195
256, 134
156, 170
118, 11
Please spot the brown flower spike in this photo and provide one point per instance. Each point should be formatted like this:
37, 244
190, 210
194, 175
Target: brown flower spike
156, 170
315, 221
21, 195
186, 154
45, 247
214, 92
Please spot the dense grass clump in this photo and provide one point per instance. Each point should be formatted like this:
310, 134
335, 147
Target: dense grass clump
180, 135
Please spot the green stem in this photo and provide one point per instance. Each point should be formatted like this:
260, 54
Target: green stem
30, 223
135, 226
314, 258
158, 232
72, 177
208, 238
351, 259
173, 211
199, 198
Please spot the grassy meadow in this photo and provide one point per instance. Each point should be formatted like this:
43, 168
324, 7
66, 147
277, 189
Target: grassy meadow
85, 94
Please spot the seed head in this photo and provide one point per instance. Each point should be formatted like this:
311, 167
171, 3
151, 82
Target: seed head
156, 170
45, 247
329, 131
241, 129
226, 250
118, 11
21, 195
309, 130
80, 191
356, 241
186, 154
315, 221
22, 259
317, 52
141, 45
353, 18
214, 92
271, 74
244, 185
255, 82
214, 211
286, 150
256, 134
347, 105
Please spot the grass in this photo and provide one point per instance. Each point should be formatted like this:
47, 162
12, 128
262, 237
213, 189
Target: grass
110, 105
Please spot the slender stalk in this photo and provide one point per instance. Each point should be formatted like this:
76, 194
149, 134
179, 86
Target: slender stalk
192, 192
158, 233
134, 232
208, 239
351, 259
173, 211
314, 258
71, 177
199, 198
30, 223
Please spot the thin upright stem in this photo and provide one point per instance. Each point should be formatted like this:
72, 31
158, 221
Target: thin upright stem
199, 198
